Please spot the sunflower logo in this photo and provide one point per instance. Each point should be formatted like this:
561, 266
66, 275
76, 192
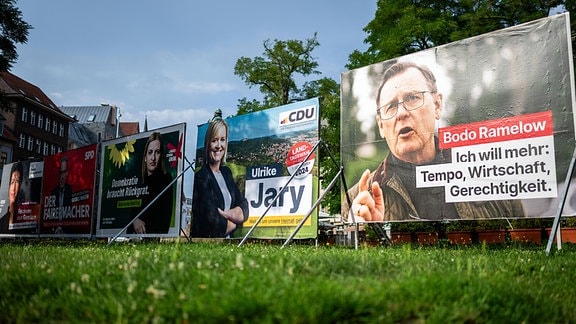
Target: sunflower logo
119, 157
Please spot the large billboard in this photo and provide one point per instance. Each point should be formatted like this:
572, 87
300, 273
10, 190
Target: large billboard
476, 129
258, 166
140, 184
20, 198
68, 192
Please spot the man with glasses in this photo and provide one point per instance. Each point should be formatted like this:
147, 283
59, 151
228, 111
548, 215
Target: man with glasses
408, 106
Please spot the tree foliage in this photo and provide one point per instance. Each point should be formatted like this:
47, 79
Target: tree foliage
246, 106
402, 27
328, 91
13, 30
274, 72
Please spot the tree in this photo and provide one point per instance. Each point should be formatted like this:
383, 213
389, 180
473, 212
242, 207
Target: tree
245, 106
274, 72
13, 30
401, 27
328, 91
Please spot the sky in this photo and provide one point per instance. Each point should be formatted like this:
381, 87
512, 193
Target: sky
173, 60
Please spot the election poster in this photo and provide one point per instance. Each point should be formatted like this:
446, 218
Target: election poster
257, 167
68, 193
140, 184
20, 198
481, 128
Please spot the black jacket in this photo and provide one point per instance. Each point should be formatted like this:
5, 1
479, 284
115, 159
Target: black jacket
159, 215
207, 198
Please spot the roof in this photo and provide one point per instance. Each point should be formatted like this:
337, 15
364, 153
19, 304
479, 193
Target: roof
130, 128
89, 114
11, 84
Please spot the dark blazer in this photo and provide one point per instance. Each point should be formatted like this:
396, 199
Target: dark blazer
207, 198
158, 216
4, 223
67, 195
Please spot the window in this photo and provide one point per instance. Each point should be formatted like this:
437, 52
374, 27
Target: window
22, 143
30, 143
33, 118
59, 148
24, 114
61, 130
55, 127
52, 149
47, 124
38, 145
91, 118
45, 151
40, 121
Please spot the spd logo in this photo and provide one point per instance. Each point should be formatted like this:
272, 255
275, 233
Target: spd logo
88, 155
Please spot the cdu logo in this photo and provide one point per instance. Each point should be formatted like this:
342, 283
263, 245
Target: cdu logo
297, 115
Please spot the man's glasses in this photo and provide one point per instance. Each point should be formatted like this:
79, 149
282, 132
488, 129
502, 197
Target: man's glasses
410, 101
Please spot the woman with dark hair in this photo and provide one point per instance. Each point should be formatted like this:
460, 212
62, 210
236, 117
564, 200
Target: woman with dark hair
218, 206
14, 196
157, 218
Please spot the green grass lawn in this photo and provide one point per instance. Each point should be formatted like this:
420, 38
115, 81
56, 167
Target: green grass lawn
201, 282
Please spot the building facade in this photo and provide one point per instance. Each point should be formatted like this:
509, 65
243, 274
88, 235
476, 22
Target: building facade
33, 126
